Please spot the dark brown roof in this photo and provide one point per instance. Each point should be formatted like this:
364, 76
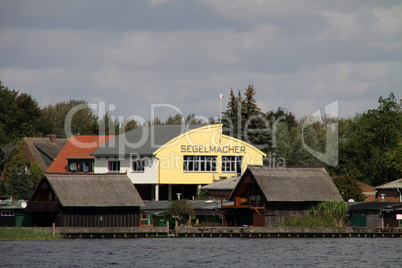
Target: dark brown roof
294, 184
44, 151
94, 190
375, 205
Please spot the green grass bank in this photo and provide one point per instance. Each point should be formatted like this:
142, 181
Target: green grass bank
20, 233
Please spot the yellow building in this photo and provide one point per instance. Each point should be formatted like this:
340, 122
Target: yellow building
167, 162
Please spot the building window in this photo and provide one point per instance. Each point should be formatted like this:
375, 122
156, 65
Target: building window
6, 213
146, 220
138, 165
199, 163
359, 212
28, 168
86, 166
255, 195
232, 164
114, 166
80, 165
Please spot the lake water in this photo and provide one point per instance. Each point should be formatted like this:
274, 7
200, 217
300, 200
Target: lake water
204, 252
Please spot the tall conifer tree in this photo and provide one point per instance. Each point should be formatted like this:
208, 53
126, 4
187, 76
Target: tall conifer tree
232, 117
253, 124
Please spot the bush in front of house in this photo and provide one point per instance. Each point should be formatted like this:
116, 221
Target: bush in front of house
180, 208
308, 221
326, 214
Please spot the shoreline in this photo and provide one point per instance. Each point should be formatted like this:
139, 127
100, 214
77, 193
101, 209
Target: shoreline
202, 232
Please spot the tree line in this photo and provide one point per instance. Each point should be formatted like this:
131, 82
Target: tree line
369, 145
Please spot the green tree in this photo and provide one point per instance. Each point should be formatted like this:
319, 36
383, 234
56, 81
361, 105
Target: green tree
255, 124
181, 208
202, 195
288, 145
19, 181
175, 120
232, 117
348, 186
250, 108
212, 121
156, 121
243, 118
109, 125
19, 115
374, 137
282, 115
191, 119
178, 119
6, 152
21, 184
280, 135
127, 125
394, 157
75, 114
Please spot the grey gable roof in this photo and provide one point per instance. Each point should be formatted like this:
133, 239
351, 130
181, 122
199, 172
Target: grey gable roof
391, 185
94, 190
227, 184
294, 184
143, 141
44, 151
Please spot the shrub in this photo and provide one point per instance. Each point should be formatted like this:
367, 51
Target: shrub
180, 208
308, 221
335, 210
325, 214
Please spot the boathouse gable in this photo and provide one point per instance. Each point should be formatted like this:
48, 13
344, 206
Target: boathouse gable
85, 200
265, 196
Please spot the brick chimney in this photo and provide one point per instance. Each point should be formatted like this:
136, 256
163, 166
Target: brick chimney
52, 138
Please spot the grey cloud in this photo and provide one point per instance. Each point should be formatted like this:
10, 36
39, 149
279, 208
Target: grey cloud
137, 53
107, 15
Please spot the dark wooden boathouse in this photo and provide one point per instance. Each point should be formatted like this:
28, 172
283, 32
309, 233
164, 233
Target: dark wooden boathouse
85, 200
265, 196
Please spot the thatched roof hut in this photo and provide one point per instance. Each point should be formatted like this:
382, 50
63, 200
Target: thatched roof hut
293, 184
94, 190
265, 196
85, 200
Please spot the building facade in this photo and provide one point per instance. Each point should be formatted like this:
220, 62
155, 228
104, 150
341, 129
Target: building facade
85, 200
40, 151
76, 154
389, 192
375, 214
265, 196
167, 162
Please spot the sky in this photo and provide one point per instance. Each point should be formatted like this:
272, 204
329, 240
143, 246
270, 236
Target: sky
161, 57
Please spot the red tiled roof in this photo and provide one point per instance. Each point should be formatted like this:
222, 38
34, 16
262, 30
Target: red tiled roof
368, 192
77, 147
